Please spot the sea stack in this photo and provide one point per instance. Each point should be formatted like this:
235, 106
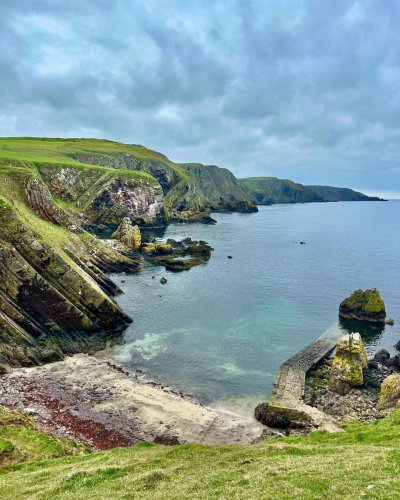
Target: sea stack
364, 305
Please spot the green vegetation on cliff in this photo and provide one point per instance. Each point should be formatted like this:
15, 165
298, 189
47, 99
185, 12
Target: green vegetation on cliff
186, 190
267, 190
362, 461
21, 441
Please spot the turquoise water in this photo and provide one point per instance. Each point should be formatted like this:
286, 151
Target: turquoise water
221, 330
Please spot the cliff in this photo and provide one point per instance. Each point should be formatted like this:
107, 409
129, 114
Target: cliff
189, 191
269, 190
55, 297
220, 188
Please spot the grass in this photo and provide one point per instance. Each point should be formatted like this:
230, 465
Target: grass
361, 462
57, 151
21, 441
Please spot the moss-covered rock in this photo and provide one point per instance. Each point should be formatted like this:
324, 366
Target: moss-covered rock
178, 255
128, 234
364, 305
390, 392
348, 363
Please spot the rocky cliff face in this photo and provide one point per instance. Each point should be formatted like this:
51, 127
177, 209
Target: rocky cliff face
269, 190
54, 293
220, 188
49, 304
105, 197
189, 189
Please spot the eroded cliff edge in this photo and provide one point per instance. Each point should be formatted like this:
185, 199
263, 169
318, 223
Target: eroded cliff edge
55, 296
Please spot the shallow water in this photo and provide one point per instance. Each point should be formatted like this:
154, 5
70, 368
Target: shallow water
221, 330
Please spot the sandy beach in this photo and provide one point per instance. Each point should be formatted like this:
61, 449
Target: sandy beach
98, 402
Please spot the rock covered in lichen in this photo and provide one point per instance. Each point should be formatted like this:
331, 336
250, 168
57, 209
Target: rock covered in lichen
128, 234
390, 393
364, 305
348, 364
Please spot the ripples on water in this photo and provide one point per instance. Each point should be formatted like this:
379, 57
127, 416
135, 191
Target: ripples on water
221, 330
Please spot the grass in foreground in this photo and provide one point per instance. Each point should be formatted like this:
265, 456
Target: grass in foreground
362, 462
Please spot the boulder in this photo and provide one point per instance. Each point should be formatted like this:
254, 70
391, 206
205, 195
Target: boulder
364, 305
382, 356
390, 393
128, 234
163, 280
348, 363
397, 345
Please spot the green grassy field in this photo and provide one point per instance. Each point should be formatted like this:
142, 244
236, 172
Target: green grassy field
362, 462
44, 150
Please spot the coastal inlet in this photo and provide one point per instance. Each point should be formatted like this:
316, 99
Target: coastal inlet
221, 330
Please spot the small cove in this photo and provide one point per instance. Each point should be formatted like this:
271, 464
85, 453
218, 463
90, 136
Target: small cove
220, 330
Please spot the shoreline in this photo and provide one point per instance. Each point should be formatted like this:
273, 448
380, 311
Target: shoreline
99, 403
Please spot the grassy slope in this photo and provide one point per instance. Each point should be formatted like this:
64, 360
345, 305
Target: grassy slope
21, 441
363, 461
57, 151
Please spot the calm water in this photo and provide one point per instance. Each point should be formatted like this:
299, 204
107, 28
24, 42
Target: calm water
221, 330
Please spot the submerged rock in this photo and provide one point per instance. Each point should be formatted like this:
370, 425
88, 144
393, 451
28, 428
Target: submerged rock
348, 363
390, 393
364, 305
128, 234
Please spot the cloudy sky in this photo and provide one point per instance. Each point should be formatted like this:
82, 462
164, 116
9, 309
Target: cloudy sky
302, 89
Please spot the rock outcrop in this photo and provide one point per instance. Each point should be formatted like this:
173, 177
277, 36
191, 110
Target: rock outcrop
364, 305
102, 197
348, 364
178, 255
128, 234
390, 393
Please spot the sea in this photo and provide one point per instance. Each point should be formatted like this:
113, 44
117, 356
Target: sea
220, 330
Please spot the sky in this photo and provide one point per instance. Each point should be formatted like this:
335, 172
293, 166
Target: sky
301, 89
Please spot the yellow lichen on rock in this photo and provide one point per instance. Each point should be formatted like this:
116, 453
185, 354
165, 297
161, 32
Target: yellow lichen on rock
390, 392
128, 234
348, 364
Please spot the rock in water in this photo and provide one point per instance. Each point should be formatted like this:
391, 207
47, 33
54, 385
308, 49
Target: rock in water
348, 364
390, 393
382, 356
364, 305
128, 234
163, 281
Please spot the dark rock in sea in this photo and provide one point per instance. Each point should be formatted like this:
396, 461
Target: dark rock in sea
178, 255
372, 364
163, 280
394, 362
389, 322
397, 345
364, 305
382, 356
230, 257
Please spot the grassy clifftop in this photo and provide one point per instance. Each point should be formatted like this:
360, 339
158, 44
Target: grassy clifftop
361, 462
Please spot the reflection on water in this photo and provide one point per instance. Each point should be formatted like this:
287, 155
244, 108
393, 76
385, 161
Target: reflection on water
370, 332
